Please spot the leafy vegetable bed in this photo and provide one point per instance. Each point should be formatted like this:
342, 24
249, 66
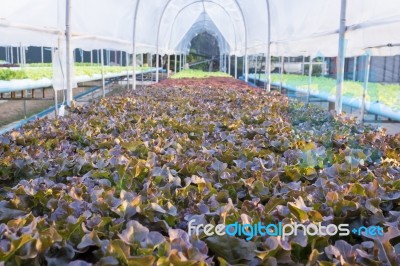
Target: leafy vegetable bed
198, 74
388, 94
116, 182
36, 72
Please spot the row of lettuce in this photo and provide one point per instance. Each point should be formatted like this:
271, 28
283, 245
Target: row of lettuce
44, 71
387, 94
117, 182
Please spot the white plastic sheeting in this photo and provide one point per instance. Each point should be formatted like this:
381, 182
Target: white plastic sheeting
306, 27
203, 24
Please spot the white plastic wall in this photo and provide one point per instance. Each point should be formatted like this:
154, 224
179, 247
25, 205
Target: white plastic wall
306, 27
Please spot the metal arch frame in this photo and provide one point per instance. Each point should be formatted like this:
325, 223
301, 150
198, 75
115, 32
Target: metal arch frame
202, 1
223, 41
245, 39
68, 53
238, 6
341, 58
134, 47
179, 12
267, 84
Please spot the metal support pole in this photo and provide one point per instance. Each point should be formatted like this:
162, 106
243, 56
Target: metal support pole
303, 64
23, 56
56, 103
246, 69
281, 73
142, 75
236, 67
150, 59
180, 62
341, 58
157, 66
12, 55
225, 61
268, 54
18, 57
91, 57
68, 53
220, 62
25, 106
365, 88
127, 71
41, 54
168, 65
176, 57
134, 63
255, 67
310, 69
355, 68
229, 65
103, 81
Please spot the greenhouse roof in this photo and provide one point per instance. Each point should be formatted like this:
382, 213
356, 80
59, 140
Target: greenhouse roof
307, 27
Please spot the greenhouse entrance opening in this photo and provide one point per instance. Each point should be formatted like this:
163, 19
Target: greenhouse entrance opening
204, 52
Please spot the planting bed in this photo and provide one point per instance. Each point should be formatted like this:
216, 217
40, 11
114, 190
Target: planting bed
190, 73
116, 182
387, 94
40, 72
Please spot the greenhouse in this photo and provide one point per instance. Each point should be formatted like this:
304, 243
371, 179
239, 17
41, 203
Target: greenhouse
200, 132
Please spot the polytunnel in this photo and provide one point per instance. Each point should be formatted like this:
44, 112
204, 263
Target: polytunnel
199, 132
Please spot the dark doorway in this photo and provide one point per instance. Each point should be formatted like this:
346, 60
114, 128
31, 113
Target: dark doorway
204, 52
